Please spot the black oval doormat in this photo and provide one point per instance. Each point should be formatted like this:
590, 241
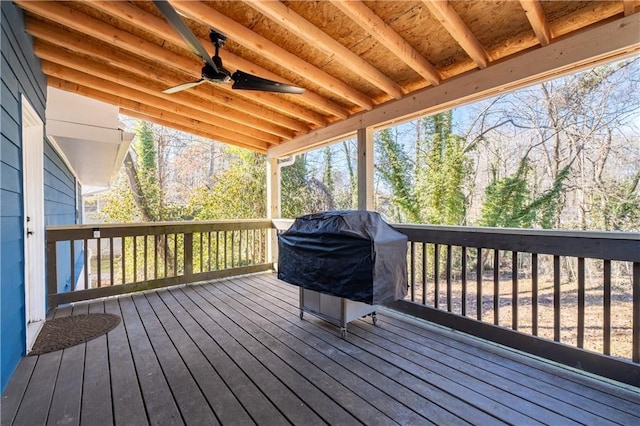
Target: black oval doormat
64, 332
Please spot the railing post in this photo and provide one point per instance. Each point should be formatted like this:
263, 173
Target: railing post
273, 207
188, 253
52, 274
365, 169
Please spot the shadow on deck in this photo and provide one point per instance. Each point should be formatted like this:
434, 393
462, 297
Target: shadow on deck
236, 352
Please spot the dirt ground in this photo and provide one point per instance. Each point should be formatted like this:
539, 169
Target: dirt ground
621, 309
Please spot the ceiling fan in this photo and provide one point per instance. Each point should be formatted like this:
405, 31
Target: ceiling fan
213, 70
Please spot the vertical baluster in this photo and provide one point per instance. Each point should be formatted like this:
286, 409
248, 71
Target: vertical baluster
85, 258
145, 256
496, 286
99, 261
424, 273
166, 251
253, 247
449, 301
187, 244
135, 259
246, 247
556, 298
123, 256
581, 296
155, 256
111, 271
635, 341
413, 270
224, 238
479, 285
209, 251
72, 255
464, 281
514, 290
217, 250
175, 254
233, 234
436, 276
607, 308
534, 294
201, 252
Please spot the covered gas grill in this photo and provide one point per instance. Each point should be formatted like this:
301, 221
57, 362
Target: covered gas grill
345, 263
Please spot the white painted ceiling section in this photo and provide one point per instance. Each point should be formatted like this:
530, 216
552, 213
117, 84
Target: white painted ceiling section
88, 135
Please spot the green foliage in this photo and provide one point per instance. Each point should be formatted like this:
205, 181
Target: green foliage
396, 170
441, 168
510, 202
619, 206
293, 188
146, 148
239, 191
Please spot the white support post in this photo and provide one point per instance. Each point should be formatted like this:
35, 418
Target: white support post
273, 207
365, 169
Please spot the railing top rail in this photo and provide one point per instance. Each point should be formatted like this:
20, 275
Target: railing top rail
623, 246
609, 235
77, 232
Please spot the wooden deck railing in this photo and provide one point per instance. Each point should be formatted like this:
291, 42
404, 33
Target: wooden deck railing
550, 293
117, 259
581, 289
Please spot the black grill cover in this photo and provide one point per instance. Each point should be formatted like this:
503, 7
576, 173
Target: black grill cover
350, 254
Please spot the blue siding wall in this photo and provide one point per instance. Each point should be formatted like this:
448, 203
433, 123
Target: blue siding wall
60, 209
20, 75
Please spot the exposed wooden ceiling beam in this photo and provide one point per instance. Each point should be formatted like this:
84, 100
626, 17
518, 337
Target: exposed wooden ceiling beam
240, 34
140, 18
298, 25
83, 23
452, 22
240, 109
377, 28
537, 19
126, 98
190, 128
629, 7
566, 55
70, 65
143, 84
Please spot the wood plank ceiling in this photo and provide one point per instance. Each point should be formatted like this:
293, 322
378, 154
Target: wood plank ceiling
350, 56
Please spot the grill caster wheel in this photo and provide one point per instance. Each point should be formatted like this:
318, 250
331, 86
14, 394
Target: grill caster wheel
301, 314
343, 333
374, 318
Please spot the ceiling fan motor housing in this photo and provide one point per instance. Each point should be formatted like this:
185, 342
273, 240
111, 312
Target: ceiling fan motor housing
221, 76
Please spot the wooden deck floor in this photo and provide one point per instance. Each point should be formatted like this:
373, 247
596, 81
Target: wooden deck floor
236, 352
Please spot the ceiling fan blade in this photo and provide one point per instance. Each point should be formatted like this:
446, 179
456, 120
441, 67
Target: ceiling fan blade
183, 86
181, 28
244, 81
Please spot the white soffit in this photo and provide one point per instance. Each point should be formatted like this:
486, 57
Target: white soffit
87, 134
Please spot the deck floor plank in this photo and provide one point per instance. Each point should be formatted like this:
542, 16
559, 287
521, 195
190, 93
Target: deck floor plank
34, 408
235, 351
127, 402
290, 404
239, 380
319, 389
192, 404
67, 396
96, 388
223, 402
16, 389
161, 404
335, 357
420, 395
552, 388
324, 372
